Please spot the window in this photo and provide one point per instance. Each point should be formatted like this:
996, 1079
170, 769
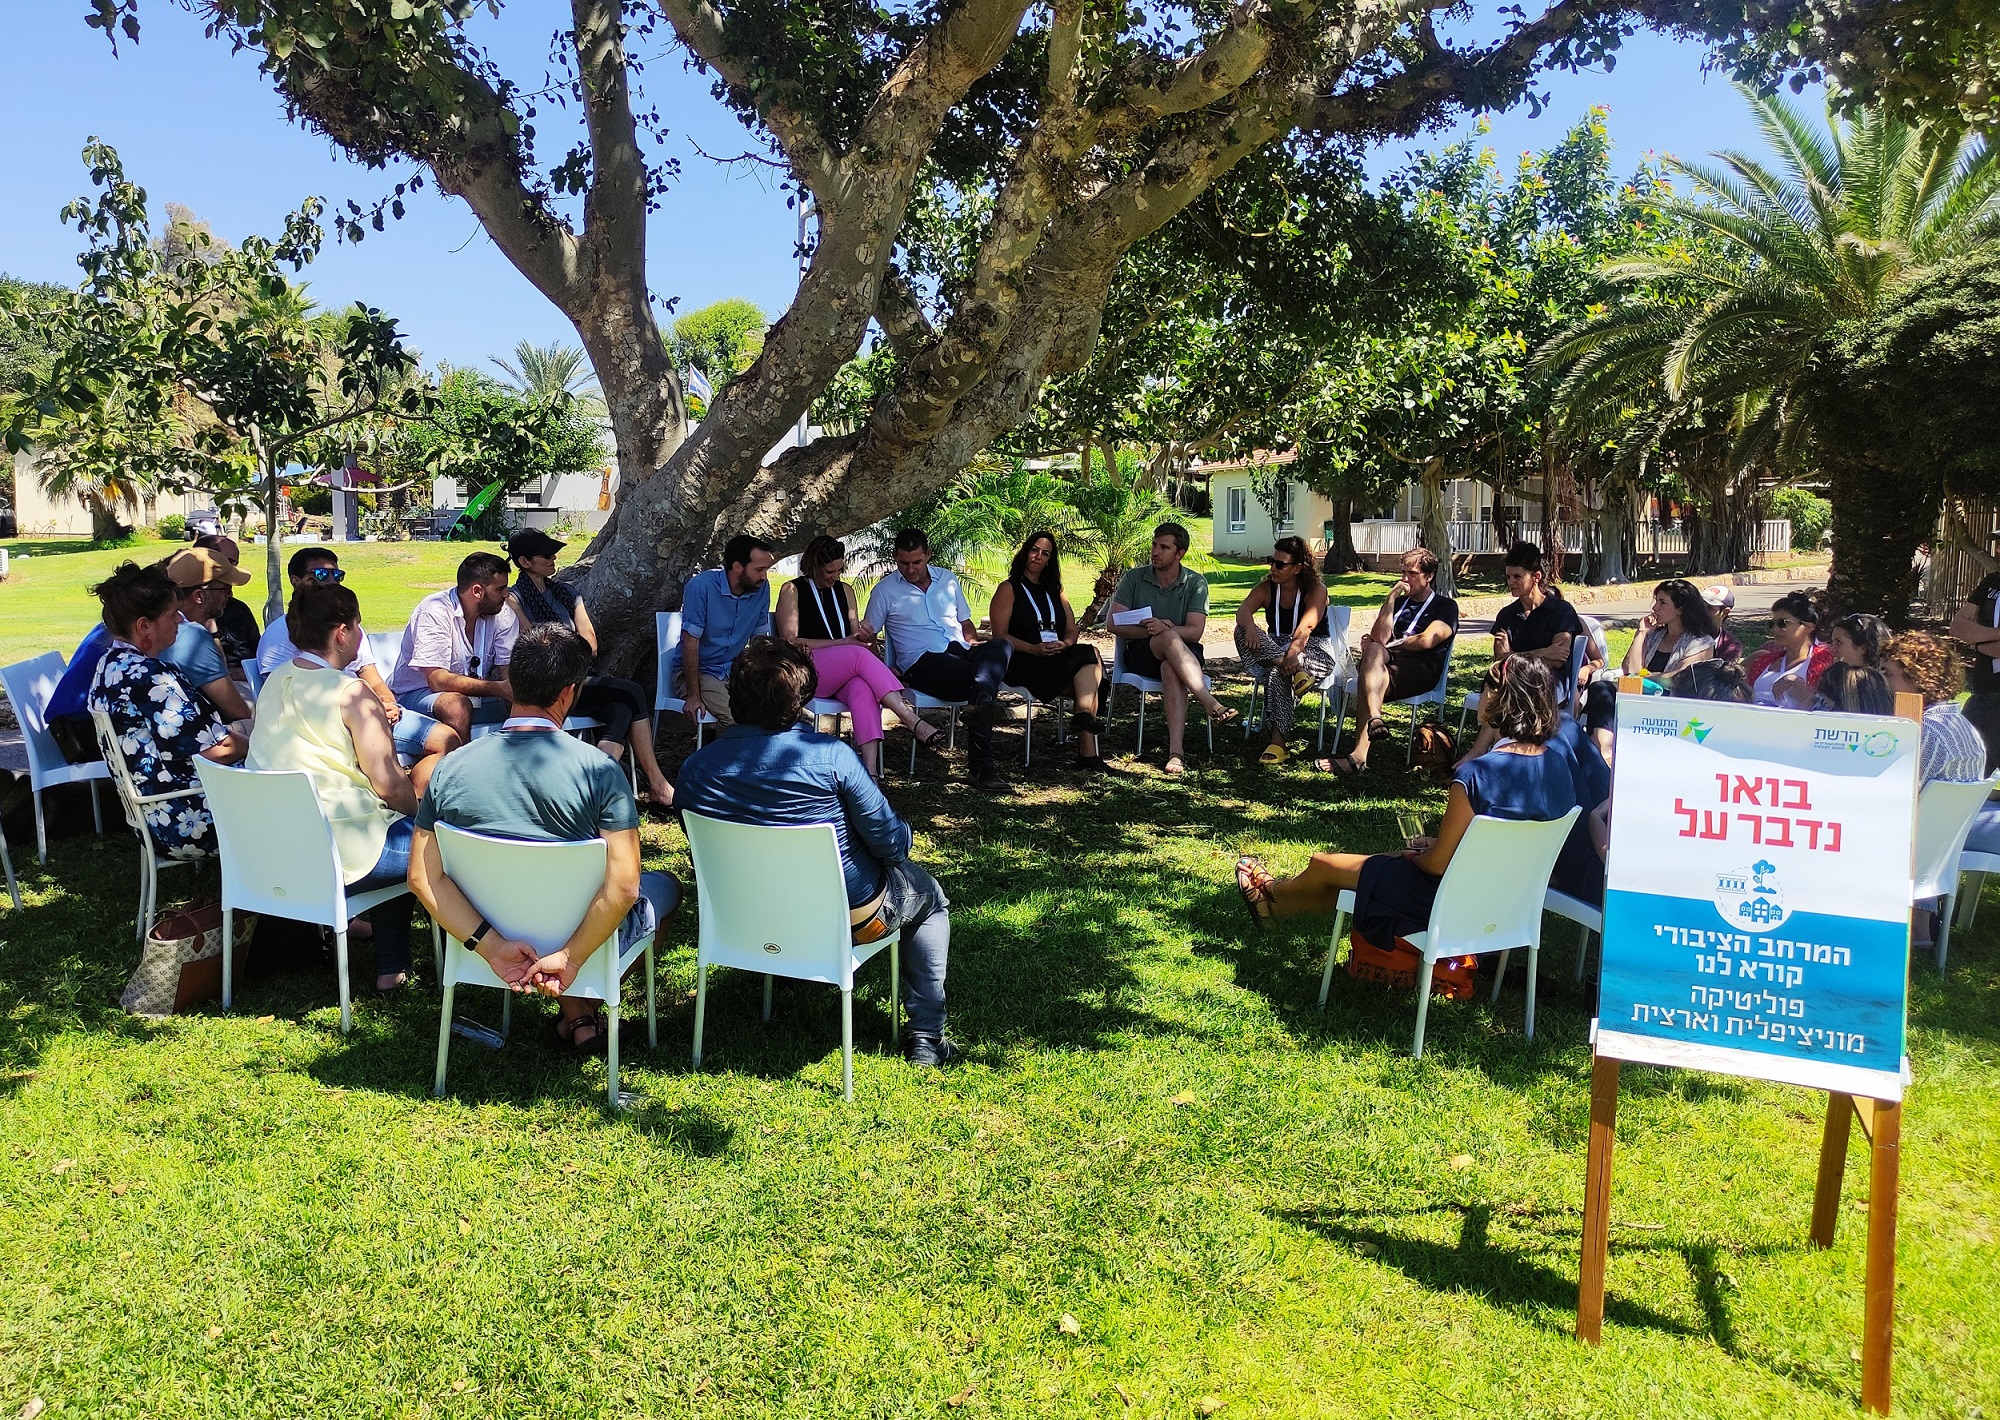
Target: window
1239, 509
1287, 506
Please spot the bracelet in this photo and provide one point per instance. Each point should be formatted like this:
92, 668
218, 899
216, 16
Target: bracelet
478, 935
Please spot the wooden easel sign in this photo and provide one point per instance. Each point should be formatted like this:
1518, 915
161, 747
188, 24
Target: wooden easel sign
1757, 924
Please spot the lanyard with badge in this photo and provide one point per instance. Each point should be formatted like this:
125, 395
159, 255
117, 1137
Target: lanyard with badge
834, 621
472, 637
1286, 628
1046, 619
1414, 622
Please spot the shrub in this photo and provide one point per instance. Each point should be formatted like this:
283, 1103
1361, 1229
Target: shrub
173, 527
1811, 515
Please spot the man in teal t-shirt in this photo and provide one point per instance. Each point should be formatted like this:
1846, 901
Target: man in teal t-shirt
528, 780
1165, 644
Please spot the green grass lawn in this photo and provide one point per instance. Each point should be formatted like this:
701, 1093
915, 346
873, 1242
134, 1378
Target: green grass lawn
1240, 1200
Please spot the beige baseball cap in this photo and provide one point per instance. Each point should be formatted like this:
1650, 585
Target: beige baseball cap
1720, 597
198, 566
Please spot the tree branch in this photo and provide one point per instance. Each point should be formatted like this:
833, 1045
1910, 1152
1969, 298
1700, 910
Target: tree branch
901, 315
705, 32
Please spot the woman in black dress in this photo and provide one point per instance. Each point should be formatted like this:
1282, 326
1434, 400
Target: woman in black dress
1032, 614
622, 705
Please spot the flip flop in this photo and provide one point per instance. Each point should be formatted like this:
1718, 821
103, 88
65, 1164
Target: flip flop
1303, 681
1253, 884
1273, 754
1174, 765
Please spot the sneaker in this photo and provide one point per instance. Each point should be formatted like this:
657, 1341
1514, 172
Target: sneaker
932, 1052
985, 779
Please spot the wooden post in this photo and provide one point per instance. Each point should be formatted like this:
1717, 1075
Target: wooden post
1878, 1324
1832, 1164
1597, 1201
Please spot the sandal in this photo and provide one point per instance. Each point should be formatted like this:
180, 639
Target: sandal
930, 740
586, 1034
1273, 754
396, 980
1377, 730
1302, 682
1342, 766
1227, 715
1174, 765
1253, 883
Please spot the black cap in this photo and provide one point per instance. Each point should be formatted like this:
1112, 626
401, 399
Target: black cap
532, 542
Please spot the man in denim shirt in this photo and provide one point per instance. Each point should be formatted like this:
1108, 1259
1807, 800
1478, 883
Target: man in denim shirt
721, 609
767, 769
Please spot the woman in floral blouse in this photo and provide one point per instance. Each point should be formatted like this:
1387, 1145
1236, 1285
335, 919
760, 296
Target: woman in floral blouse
163, 725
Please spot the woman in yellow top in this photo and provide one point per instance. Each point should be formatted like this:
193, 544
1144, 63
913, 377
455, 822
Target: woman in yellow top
314, 717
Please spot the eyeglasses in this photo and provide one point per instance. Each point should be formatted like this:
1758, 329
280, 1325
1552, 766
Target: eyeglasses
1279, 564
327, 574
1782, 623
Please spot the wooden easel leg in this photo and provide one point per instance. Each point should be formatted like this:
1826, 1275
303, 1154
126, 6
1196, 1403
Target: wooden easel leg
1832, 1164
1597, 1201
1879, 1311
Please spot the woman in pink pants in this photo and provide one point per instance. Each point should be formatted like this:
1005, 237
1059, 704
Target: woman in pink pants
817, 610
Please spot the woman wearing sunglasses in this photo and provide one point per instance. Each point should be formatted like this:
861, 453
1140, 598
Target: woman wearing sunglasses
1293, 650
1787, 670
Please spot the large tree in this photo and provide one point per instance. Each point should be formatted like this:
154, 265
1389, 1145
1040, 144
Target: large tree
1078, 129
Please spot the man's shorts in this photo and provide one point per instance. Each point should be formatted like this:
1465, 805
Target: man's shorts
486, 709
410, 732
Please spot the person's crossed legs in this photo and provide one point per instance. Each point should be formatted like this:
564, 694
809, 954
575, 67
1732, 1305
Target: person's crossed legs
1372, 691
1180, 677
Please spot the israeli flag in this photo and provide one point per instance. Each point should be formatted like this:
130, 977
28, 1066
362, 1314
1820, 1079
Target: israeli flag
699, 387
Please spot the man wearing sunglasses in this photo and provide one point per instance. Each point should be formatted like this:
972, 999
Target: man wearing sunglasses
415, 735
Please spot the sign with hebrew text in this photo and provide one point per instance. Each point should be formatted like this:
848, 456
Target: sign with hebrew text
1757, 893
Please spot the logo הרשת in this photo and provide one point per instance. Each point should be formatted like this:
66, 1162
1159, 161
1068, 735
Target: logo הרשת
1695, 730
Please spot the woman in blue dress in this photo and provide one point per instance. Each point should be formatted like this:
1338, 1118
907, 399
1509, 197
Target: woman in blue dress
1519, 778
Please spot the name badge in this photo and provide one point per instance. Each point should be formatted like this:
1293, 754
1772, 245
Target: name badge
1049, 636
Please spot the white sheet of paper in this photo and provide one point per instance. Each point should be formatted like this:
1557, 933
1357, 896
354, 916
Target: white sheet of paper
1133, 617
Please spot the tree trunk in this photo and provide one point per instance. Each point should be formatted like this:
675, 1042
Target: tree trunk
105, 524
1432, 532
1880, 517
274, 535
1340, 554
1613, 524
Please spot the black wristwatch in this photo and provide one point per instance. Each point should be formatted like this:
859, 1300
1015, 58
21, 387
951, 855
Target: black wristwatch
478, 935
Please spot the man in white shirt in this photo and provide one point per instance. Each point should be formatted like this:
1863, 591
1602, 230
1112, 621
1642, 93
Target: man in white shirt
416, 735
937, 648
453, 665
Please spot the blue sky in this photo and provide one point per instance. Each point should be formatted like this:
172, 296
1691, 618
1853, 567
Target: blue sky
198, 125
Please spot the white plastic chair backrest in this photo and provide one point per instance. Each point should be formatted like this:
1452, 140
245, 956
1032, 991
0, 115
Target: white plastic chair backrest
29, 686
1945, 812
1492, 891
121, 773
533, 892
388, 649
801, 931
277, 851
1441, 690
667, 630
252, 676
1579, 647
1118, 671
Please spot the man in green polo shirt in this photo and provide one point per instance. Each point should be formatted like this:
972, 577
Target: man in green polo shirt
1159, 611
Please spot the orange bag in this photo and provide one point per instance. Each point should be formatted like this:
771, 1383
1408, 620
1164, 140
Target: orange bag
1454, 978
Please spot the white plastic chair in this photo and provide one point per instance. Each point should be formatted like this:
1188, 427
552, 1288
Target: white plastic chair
7, 862
135, 805
1145, 685
1573, 909
278, 860
667, 631
801, 933
1945, 812
253, 678
1330, 686
924, 702
1436, 696
537, 893
1977, 863
1489, 900
29, 684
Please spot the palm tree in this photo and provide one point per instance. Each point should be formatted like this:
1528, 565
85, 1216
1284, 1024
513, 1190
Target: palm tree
544, 371
1759, 263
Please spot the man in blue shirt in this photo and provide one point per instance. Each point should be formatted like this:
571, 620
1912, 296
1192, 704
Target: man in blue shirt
766, 769
721, 609
937, 648
203, 581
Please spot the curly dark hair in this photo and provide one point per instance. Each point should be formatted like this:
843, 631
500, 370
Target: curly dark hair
1052, 575
1524, 706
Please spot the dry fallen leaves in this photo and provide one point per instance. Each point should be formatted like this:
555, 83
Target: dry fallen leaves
119, 1190
1069, 1325
1209, 1404
63, 1166
1367, 1249
1461, 1161
33, 1408
957, 1400
1122, 1393
1185, 1097
213, 1333
465, 1227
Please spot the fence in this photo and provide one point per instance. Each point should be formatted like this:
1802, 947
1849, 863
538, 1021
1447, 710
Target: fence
1652, 540
1953, 571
